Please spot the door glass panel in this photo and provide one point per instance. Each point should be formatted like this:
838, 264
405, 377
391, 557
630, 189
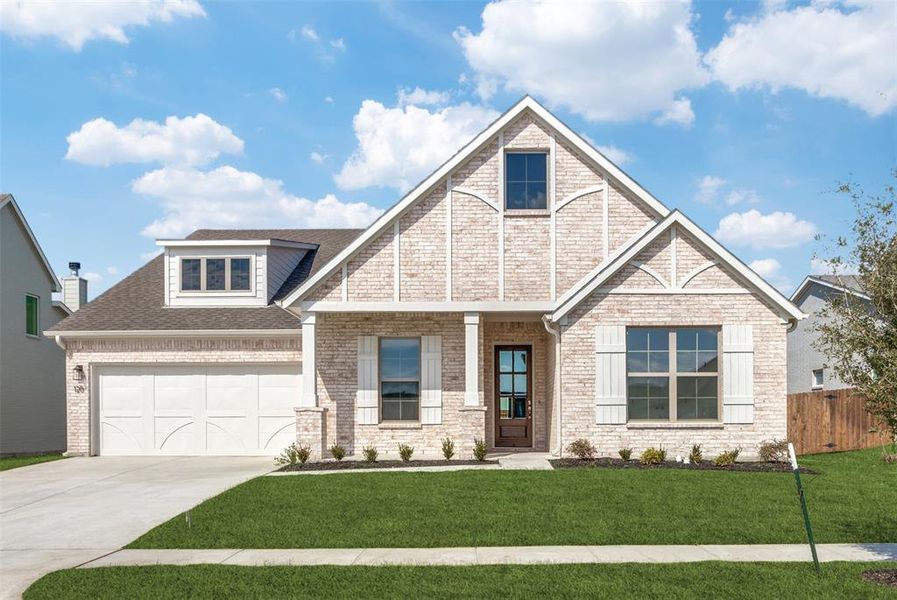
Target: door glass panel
520, 385
505, 407
519, 407
520, 361
505, 384
505, 361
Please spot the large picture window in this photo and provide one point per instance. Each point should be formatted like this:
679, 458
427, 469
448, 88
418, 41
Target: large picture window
399, 379
526, 180
672, 374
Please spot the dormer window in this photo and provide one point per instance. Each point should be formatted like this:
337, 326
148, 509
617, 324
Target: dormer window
526, 181
230, 274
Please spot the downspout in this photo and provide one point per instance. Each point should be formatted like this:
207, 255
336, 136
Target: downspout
792, 325
59, 342
556, 333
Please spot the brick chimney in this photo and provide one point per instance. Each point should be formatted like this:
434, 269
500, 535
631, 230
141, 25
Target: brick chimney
74, 288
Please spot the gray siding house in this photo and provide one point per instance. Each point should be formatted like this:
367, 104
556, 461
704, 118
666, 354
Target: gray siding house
807, 367
32, 366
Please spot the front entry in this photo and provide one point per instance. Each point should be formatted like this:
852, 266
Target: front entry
513, 396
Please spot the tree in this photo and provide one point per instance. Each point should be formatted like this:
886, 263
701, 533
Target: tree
859, 335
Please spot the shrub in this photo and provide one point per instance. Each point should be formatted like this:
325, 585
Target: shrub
582, 448
405, 451
338, 452
370, 454
448, 448
653, 456
294, 453
479, 449
696, 455
625, 453
727, 458
891, 459
774, 451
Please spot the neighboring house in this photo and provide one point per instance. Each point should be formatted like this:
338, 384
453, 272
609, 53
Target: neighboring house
807, 368
528, 293
32, 367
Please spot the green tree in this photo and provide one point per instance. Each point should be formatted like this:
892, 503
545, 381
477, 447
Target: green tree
859, 335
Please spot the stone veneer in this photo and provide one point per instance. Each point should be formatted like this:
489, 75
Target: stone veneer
89, 353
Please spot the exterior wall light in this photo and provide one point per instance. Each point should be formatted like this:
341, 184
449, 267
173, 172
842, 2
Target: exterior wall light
78, 373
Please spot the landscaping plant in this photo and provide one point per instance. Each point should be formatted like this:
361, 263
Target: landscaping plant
294, 453
653, 456
625, 453
338, 452
479, 449
405, 451
582, 448
773, 451
727, 458
370, 453
448, 448
696, 455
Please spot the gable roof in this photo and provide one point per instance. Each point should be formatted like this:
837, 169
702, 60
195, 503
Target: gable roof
484, 137
849, 284
604, 271
8, 199
137, 303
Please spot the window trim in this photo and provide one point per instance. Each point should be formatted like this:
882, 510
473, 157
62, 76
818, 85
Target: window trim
227, 291
548, 199
813, 384
33, 336
380, 379
673, 374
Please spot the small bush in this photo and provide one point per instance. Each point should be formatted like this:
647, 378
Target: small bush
774, 451
370, 454
338, 452
479, 449
696, 455
582, 448
891, 459
727, 458
625, 453
448, 448
653, 456
405, 451
294, 453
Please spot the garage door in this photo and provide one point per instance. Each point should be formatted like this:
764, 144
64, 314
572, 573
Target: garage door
229, 410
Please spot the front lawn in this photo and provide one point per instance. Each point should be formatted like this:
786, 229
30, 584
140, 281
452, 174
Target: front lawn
14, 462
668, 581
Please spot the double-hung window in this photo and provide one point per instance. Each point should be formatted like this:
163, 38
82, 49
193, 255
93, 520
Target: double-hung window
215, 275
399, 379
526, 180
672, 374
32, 315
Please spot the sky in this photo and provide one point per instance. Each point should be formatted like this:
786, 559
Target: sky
122, 123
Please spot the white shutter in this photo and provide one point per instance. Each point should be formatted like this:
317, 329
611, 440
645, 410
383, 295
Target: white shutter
738, 374
610, 374
430, 380
366, 397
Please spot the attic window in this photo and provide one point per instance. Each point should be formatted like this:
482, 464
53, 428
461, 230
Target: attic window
526, 181
231, 274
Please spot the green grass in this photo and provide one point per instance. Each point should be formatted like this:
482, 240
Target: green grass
851, 500
670, 581
14, 462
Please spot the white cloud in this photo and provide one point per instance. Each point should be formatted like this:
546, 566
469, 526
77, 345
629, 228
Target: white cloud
325, 50
742, 196
338, 44
92, 277
151, 254
278, 94
226, 197
617, 155
771, 270
708, 187
754, 229
75, 23
679, 113
309, 33
328, 99
819, 266
422, 97
621, 60
398, 147
189, 141
830, 50
318, 158
112, 270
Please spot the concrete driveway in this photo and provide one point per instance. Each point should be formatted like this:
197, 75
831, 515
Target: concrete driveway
64, 513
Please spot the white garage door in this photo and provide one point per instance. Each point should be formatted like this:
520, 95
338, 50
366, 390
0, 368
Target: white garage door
228, 409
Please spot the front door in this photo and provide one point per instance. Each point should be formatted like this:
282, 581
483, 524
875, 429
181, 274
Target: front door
513, 396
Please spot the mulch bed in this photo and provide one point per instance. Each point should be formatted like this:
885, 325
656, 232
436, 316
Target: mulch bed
882, 576
619, 463
349, 465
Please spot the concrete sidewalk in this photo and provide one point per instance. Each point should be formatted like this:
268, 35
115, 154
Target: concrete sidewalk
498, 555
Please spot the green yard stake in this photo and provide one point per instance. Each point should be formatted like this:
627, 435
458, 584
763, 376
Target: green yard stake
803, 506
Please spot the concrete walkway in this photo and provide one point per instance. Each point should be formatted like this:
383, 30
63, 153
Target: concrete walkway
497, 555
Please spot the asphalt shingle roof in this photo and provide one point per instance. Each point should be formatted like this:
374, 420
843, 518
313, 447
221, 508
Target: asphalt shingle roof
851, 282
136, 303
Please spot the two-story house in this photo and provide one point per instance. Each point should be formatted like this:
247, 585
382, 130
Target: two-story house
528, 292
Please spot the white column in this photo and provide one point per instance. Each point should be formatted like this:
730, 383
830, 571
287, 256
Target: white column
471, 359
309, 372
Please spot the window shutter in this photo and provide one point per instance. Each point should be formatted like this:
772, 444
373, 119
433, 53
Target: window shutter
431, 380
738, 374
610, 374
367, 395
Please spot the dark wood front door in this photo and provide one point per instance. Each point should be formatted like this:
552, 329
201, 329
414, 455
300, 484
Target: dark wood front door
513, 396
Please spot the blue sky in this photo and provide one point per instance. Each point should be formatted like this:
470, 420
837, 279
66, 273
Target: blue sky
322, 114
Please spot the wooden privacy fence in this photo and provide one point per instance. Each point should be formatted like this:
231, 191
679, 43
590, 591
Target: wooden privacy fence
830, 421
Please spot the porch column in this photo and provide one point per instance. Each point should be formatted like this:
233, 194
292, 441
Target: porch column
309, 371
471, 359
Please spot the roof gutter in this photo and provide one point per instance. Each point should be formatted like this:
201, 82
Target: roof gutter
173, 333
